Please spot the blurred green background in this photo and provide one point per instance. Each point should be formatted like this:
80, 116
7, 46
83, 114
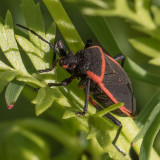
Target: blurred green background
24, 109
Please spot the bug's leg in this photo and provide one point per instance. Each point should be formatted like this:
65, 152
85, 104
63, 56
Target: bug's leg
88, 43
114, 120
53, 65
117, 123
133, 99
87, 89
65, 82
121, 58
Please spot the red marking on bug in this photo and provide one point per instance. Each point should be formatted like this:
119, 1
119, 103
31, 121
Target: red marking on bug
93, 76
112, 59
98, 80
103, 61
92, 101
65, 66
123, 109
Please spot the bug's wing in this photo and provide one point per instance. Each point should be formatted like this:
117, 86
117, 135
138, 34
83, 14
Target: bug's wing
118, 84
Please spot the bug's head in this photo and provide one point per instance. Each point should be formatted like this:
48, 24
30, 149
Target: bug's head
69, 62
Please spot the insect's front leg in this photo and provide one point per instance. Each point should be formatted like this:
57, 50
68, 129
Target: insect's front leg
87, 90
65, 82
53, 65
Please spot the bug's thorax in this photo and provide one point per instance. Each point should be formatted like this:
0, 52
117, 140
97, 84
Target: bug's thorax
68, 62
75, 64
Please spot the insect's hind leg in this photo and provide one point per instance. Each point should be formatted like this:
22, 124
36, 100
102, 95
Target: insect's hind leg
113, 119
120, 57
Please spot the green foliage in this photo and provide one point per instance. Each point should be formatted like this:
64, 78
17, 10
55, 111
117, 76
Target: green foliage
66, 100
12, 93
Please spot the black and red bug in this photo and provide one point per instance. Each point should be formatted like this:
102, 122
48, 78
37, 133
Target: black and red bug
101, 76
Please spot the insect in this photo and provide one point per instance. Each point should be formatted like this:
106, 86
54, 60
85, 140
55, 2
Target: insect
101, 76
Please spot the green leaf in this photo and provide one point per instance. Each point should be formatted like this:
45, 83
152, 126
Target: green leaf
109, 109
155, 61
19, 143
3, 66
101, 30
147, 46
69, 114
147, 110
140, 15
50, 34
6, 77
9, 46
55, 131
45, 98
147, 143
99, 127
148, 124
103, 138
34, 21
12, 92
35, 54
137, 72
31, 80
65, 25
156, 14
103, 130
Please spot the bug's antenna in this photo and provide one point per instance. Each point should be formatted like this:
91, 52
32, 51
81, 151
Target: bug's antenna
50, 44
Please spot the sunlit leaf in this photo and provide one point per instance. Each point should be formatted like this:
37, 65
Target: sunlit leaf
6, 77
30, 80
9, 46
35, 22
64, 25
156, 14
45, 98
155, 61
12, 93
147, 46
3, 66
35, 55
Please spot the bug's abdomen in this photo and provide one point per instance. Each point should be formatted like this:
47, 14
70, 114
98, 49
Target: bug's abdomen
101, 97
